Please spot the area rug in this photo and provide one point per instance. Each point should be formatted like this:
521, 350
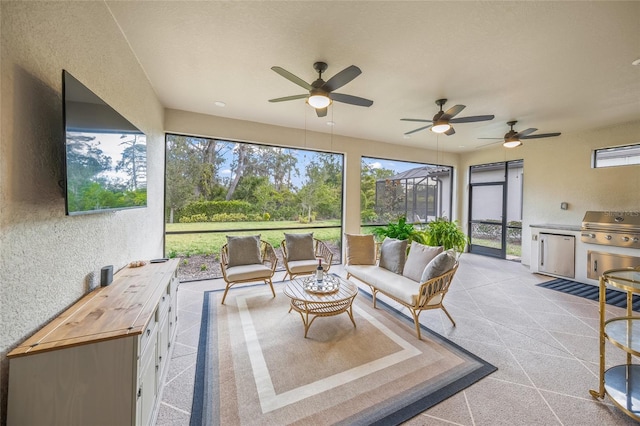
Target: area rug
254, 367
592, 292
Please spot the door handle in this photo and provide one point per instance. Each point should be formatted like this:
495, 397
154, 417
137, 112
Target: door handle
541, 252
595, 266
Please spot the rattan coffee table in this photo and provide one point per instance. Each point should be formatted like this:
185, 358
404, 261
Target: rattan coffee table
325, 301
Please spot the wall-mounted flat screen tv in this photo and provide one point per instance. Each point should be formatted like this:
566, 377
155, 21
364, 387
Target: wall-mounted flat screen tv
106, 155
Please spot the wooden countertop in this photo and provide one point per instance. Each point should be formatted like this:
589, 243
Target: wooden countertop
120, 309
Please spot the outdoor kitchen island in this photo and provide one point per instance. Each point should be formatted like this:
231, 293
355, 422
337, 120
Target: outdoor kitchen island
605, 240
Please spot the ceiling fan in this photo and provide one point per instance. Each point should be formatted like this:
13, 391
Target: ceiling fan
513, 139
321, 92
441, 122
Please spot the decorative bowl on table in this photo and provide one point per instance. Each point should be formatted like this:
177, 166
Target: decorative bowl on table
329, 284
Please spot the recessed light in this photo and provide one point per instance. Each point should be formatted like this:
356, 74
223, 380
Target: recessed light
407, 136
331, 123
636, 62
220, 104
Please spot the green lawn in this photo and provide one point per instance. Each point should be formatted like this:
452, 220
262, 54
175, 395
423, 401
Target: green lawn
182, 245
512, 249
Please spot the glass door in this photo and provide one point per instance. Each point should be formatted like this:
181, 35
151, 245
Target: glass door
487, 219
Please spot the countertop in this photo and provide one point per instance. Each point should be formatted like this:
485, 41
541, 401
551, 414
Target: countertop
574, 228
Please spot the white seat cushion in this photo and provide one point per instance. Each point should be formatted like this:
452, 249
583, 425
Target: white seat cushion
303, 266
248, 272
401, 287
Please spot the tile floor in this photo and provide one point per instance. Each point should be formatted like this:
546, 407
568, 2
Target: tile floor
544, 343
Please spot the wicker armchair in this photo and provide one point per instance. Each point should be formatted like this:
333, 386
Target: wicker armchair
249, 272
307, 266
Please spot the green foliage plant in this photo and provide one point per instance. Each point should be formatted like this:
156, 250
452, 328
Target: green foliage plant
446, 233
400, 230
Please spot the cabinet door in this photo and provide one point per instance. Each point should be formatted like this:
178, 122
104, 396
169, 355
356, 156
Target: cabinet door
557, 254
147, 386
163, 349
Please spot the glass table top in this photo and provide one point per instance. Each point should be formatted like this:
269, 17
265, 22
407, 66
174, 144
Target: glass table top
627, 279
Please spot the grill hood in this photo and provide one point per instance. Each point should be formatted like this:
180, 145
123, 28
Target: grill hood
628, 221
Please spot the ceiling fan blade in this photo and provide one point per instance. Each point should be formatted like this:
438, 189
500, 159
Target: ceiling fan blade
472, 119
349, 99
526, 132
292, 78
322, 112
453, 111
289, 98
342, 78
418, 120
450, 132
493, 139
541, 135
418, 129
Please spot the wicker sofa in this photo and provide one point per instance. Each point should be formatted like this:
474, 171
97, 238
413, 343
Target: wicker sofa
418, 281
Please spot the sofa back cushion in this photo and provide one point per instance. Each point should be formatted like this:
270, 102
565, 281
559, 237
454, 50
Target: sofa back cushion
361, 249
440, 264
393, 253
243, 250
300, 246
418, 259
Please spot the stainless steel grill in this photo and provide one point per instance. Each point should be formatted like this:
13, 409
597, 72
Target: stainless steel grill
619, 229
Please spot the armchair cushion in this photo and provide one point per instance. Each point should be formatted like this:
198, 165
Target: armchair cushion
439, 265
393, 254
361, 249
418, 259
300, 247
243, 250
248, 272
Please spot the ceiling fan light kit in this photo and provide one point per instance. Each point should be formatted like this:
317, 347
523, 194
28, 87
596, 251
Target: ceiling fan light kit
319, 101
513, 143
440, 126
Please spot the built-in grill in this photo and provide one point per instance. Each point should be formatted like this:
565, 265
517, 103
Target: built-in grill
619, 229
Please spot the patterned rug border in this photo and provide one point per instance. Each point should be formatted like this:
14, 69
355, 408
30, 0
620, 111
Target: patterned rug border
592, 292
203, 406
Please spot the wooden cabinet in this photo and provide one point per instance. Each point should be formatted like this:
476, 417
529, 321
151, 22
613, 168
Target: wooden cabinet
102, 361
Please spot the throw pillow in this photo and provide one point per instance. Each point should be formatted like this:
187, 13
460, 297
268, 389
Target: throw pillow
361, 249
243, 250
393, 254
439, 265
418, 259
300, 246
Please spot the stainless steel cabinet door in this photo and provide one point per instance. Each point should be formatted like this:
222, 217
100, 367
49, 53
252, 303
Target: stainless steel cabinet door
557, 254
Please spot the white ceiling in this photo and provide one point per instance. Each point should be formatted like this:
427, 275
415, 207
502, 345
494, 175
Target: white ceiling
556, 66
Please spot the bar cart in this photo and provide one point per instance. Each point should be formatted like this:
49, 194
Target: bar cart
620, 382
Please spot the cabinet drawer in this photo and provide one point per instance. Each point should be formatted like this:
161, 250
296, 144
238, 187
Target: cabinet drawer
148, 334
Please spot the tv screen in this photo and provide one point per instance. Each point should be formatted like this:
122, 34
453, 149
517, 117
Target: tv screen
106, 155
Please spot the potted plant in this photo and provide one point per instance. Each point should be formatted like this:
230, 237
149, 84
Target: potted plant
400, 230
445, 233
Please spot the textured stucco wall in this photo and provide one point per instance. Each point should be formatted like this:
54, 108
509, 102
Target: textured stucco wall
45, 256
